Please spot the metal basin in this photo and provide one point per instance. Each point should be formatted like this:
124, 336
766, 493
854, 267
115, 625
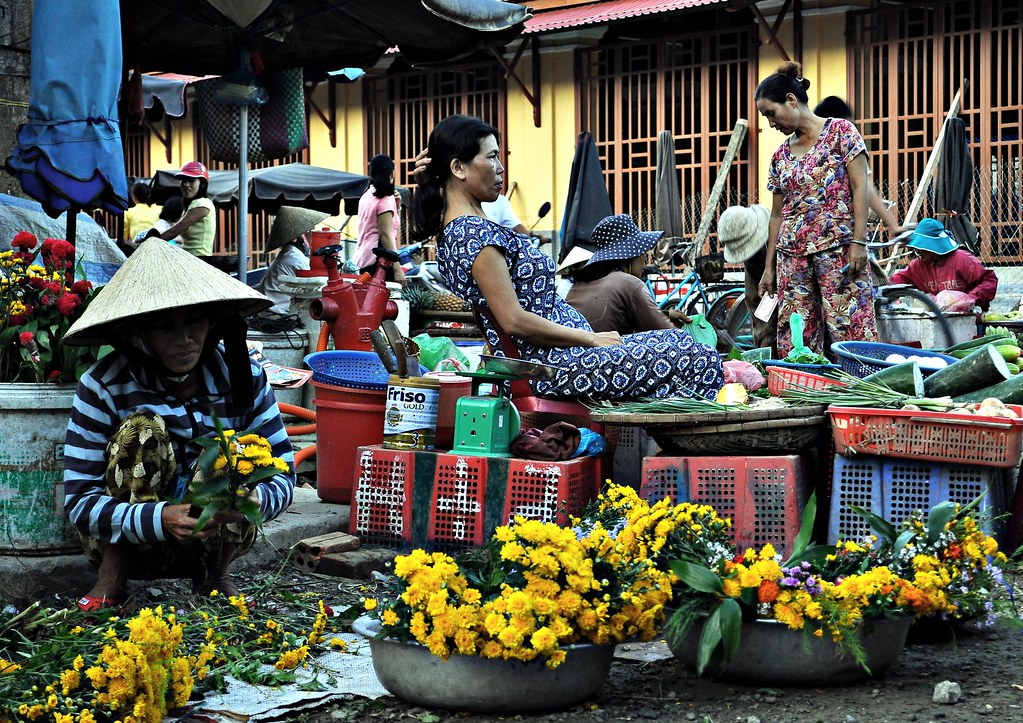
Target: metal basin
411, 672
519, 367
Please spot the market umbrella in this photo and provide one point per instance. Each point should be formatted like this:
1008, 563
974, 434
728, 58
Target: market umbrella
69, 151
290, 184
588, 201
953, 183
667, 200
207, 36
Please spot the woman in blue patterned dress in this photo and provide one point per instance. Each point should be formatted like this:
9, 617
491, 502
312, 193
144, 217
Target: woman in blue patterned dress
483, 262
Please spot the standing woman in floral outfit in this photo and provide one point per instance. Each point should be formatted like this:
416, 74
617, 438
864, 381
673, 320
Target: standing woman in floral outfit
816, 248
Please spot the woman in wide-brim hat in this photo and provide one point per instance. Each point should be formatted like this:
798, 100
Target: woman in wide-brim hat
179, 357
288, 234
608, 290
489, 265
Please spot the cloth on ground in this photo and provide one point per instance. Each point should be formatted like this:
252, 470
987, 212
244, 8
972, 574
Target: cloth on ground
554, 443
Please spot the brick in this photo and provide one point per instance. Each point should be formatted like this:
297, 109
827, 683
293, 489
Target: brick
356, 564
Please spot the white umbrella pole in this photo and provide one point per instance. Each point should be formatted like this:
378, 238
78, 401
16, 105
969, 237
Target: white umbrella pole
243, 193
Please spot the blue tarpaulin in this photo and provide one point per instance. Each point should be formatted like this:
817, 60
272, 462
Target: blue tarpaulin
69, 152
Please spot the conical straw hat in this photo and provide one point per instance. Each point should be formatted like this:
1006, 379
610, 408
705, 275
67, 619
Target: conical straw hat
290, 223
157, 277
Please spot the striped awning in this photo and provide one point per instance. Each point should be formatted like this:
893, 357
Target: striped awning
603, 12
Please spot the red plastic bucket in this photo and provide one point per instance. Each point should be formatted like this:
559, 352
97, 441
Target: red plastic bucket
452, 386
317, 240
346, 419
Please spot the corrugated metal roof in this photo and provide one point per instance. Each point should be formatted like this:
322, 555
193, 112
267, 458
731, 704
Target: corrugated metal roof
602, 12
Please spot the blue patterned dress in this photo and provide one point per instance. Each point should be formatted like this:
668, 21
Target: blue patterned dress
661, 363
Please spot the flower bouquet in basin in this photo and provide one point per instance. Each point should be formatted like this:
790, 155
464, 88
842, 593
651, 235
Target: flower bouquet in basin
41, 299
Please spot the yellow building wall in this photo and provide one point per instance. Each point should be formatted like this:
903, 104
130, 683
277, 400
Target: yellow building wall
824, 65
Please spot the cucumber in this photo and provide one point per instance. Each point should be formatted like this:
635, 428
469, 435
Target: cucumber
904, 378
980, 369
1013, 368
1009, 352
1009, 391
981, 341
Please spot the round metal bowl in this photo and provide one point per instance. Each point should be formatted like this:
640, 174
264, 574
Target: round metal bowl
411, 672
519, 367
772, 654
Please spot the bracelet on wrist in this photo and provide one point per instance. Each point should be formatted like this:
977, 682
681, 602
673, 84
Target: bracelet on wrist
858, 242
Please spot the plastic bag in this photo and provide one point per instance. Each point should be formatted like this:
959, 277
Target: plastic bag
744, 373
954, 301
440, 354
702, 330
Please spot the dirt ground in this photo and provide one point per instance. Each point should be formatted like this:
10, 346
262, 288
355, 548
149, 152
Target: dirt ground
987, 665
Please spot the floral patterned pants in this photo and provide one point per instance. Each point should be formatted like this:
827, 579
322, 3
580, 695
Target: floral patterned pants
833, 307
140, 468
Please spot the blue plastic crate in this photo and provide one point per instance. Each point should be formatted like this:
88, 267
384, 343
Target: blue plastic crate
895, 488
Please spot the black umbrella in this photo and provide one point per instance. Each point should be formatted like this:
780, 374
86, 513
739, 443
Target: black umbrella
291, 184
69, 152
952, 185
588, 201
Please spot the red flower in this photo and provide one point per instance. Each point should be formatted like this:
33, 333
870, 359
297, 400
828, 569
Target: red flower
25, 338
82, 288
67, 304
58, 253
24, 240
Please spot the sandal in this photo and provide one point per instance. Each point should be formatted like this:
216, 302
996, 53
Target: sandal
89, 604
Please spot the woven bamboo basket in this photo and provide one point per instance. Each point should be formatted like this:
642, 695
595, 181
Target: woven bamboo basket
769, 428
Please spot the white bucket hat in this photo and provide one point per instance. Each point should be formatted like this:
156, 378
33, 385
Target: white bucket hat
742, 231
159, 276
290, 223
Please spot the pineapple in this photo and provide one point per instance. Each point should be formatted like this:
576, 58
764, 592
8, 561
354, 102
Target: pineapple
419, 297
449, 302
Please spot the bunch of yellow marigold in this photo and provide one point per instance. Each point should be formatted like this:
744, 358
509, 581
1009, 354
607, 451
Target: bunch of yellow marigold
540, 586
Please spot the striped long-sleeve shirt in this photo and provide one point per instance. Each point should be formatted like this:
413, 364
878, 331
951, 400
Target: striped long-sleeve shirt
116, 387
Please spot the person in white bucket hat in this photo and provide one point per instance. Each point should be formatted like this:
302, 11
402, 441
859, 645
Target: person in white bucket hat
179, 358
742, 231
608, 290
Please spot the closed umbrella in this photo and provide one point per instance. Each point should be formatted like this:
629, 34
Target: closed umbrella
667, 200
588, 201
953, 184
69, 151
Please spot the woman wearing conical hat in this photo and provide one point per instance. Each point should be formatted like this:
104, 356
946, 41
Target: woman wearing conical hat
179, 357
288, 234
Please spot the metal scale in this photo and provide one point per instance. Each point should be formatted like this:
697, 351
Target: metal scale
486, 424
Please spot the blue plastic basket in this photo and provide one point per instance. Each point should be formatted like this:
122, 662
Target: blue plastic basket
810, 368
346, 368
863, 358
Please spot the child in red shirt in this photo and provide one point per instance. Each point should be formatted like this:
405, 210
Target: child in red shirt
942, 265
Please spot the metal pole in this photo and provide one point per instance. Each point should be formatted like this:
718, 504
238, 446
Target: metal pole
243, 193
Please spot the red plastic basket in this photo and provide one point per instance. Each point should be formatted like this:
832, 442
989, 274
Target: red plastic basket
937, 436
763, 496
381, 510
780, 378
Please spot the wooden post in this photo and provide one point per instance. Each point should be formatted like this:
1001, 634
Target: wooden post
703, 230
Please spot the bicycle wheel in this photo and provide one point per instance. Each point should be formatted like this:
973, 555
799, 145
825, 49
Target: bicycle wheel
888, 295
719, 309
739, 325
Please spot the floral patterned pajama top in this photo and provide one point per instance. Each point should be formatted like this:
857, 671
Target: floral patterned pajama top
661, 363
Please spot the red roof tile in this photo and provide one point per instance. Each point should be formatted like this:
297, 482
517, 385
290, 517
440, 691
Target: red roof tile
602, 12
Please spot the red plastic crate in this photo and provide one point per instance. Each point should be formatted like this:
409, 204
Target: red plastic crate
381, 511
935, 436
780, 378
459, 502
763, 496
548, 491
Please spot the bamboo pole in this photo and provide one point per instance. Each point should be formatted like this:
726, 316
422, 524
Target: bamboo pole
703, 230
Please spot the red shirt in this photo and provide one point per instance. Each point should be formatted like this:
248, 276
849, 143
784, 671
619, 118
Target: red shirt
960, 271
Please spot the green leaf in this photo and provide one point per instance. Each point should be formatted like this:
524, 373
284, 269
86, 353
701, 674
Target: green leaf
805, 529
710, 639
815, 555
697, 577
884, 528
938, 517
208, 512
731, 628
902, 541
